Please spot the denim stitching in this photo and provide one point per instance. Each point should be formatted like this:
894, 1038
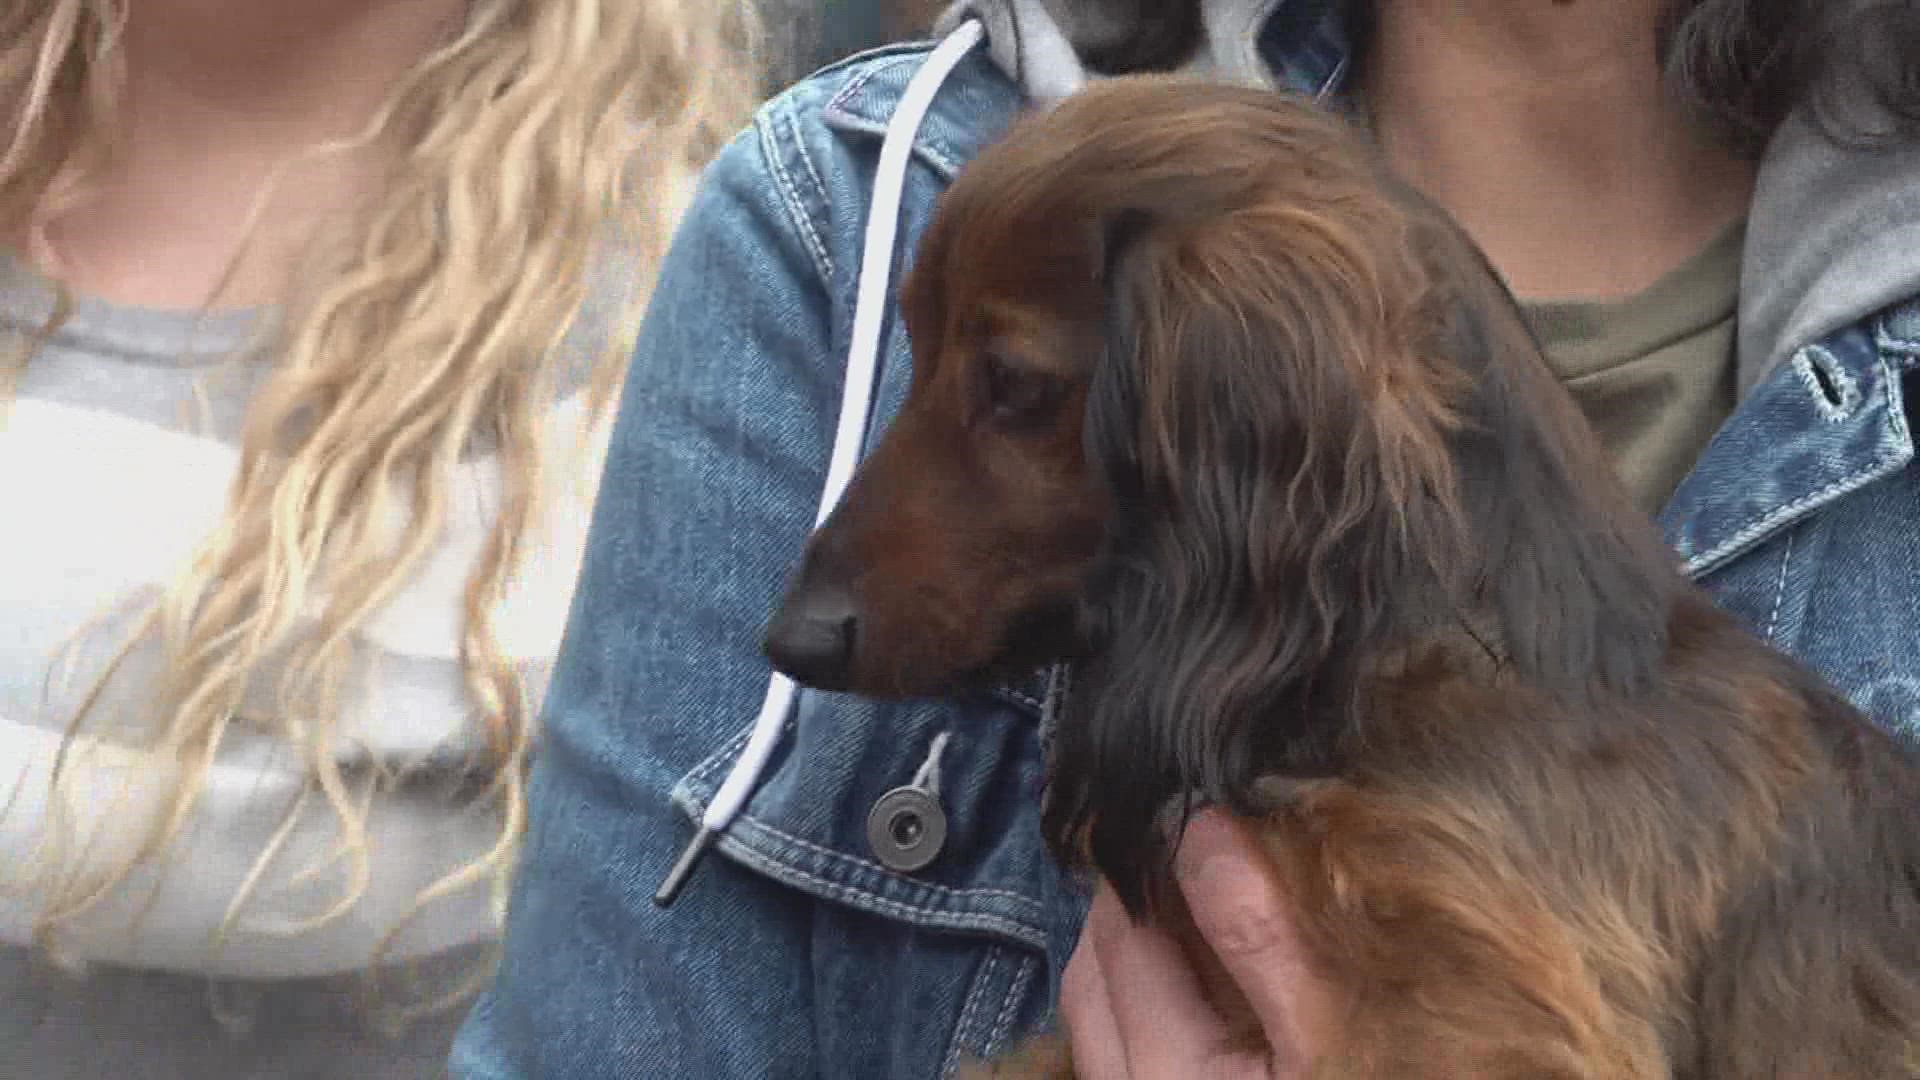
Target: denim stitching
864, 866
950, 165
1888, 340
859, 61
1003, 1024
921, 144
1700, 564
790, 194
1833, 412
1892, 342
838, 103
835, 891
965, 1024
1896, 418
800, 146
1779, 589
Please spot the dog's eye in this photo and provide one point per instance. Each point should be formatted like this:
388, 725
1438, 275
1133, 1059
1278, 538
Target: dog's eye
1017, 395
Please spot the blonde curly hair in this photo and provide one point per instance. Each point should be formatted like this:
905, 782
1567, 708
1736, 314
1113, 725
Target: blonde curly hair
538, 136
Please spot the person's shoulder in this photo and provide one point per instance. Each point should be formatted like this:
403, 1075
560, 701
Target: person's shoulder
849, 105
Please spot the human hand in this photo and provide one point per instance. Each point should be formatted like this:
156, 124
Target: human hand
1134, 1006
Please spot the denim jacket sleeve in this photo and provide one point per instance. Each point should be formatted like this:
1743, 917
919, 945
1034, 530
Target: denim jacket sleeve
794, 951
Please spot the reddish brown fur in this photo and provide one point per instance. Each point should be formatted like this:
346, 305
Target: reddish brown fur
1208, 403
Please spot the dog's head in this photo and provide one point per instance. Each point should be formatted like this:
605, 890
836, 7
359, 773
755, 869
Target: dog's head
1204, 398
1128, 310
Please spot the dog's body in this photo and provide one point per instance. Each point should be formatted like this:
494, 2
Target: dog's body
1207, 403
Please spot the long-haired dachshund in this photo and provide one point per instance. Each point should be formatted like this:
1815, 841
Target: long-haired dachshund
1207, 403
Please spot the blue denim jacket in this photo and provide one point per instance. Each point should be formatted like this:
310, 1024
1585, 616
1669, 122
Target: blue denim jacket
795, 952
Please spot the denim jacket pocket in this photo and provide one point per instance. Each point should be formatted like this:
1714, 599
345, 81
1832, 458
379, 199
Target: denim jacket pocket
978, 760
913, 966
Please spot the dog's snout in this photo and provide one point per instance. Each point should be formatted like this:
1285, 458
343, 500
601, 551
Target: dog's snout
812, 636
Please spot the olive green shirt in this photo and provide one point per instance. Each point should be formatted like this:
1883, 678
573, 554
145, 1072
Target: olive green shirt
1654, 373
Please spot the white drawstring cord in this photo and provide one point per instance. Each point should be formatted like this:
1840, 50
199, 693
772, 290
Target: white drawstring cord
856, 401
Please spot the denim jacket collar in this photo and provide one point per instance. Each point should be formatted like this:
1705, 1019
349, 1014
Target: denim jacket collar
965, 116
1829, 421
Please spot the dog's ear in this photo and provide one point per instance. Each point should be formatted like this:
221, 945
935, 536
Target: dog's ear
1575, 579
1113, 398
1281, 485
1326, 435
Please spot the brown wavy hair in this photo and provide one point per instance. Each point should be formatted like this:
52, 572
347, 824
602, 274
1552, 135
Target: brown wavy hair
1744, 65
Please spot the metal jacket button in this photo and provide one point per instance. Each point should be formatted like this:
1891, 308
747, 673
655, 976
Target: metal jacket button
906, 829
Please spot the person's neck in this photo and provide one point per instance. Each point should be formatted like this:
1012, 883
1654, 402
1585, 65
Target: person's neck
1544, 127
218, 94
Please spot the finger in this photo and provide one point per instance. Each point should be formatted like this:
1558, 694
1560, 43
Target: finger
1168, 1027
1085, 1008
1242, 911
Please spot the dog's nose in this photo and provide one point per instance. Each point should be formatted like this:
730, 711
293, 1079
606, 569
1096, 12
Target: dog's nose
812, 637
